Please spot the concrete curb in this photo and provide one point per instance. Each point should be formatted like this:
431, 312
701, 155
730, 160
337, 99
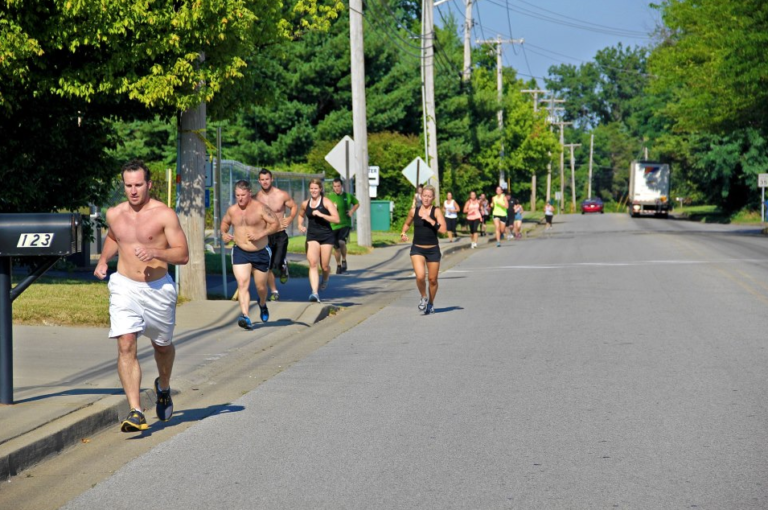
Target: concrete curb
50, 439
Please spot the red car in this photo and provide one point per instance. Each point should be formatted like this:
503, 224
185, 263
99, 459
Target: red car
592, 205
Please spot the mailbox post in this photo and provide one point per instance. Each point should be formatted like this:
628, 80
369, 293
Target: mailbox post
45, 235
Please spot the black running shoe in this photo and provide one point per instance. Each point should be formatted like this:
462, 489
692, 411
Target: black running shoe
264, 313
344, 266
339, 270
244, 322
430, 309
164, 405
135, 422
284, 273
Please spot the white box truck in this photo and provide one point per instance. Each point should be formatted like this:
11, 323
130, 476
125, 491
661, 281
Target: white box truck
649, 188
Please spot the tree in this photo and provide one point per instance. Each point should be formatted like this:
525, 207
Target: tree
141, 58
713, 62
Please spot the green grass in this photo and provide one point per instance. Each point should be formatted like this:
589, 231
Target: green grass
62, 302
712, 214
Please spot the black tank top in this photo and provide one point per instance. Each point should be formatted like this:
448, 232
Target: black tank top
316, 224
424, 234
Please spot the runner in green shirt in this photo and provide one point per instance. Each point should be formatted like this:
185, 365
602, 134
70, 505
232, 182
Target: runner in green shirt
346, 204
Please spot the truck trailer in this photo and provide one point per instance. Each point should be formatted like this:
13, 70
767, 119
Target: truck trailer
649, 188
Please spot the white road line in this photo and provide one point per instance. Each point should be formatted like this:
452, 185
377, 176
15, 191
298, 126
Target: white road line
616, 264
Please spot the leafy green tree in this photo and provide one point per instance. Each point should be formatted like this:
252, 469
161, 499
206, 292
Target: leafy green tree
713, 62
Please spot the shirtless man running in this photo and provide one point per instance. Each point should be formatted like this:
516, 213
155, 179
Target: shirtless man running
253, 222
277, 200
147, 236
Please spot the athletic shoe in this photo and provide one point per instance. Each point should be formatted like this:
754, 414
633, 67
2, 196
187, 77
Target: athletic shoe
339, 270
498, 244
323, 284
430, 309
275, 296
344, 266
264, 313
135, 422
472, 245
284, 273
244, 322
314, 298
423, 303
164, 405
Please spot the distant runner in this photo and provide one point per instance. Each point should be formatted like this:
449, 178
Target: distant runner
277, 200
500, 206
253, 223
451, 213
549, 214
346, 205
320, 213
474, 217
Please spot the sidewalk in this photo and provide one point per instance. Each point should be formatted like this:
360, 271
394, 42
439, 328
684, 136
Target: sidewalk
66, 386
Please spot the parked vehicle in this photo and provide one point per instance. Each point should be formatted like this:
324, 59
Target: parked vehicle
649, 188
592, 205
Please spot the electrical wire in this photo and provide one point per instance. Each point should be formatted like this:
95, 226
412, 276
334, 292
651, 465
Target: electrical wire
509, 23
581, 25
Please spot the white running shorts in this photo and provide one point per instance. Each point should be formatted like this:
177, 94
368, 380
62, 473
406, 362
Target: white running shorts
147, 308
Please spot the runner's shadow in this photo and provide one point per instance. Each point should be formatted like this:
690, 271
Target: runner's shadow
448, 309
186, 415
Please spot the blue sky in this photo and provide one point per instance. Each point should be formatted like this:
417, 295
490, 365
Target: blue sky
555, 31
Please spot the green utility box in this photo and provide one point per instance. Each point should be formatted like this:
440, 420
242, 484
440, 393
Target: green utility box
380, 215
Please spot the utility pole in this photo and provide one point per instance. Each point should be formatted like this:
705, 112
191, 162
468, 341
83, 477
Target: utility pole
359, 129
591, 152
535, 93
500, 92
467, 71
551, 119
428, 70
562, 163
573, 179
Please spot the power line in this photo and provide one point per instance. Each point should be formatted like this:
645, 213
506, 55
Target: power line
581, 25
585, 22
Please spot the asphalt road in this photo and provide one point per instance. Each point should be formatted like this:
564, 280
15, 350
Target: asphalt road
610, 363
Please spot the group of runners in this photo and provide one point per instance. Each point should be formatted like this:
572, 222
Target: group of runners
147, 237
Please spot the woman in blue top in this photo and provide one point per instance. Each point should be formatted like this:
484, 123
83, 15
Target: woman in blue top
320, 213
428, 221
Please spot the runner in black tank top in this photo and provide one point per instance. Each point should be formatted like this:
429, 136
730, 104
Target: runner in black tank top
320, 213
428, 222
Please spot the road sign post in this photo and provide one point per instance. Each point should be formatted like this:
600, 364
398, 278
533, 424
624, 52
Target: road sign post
343, 159
762, 181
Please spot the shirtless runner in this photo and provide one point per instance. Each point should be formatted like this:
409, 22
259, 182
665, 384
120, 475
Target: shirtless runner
146, 236
253, 222
277, 200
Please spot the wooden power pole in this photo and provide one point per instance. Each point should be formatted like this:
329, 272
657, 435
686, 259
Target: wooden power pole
535, 93
573, 178
359, 126
500, 92
428, 73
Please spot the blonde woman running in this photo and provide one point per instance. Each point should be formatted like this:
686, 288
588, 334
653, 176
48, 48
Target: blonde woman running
500, 206
320, 213
428, 221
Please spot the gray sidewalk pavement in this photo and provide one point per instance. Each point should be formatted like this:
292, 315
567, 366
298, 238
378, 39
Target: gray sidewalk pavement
65, 378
